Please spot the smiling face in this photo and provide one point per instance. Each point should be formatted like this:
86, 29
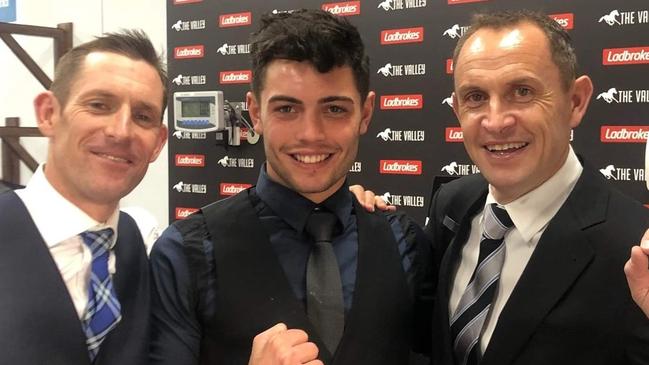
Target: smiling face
311, 123
102, 141
515, 114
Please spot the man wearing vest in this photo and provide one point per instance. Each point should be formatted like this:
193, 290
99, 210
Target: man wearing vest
73, 269
296, 254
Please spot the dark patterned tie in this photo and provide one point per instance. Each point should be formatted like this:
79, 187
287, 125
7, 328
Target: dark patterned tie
469, 317
324, 296
103, 311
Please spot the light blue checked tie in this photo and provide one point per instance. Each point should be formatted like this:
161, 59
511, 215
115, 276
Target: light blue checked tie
103, 311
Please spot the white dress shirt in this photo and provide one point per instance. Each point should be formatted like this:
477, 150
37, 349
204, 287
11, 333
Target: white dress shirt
531, 214
60, 222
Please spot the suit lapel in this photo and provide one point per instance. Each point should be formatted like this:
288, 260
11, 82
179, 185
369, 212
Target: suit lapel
461, 209
562, 254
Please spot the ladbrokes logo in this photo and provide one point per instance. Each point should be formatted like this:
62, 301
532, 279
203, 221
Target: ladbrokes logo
412, 101
343, 8
612, 172
454, 134
454, 168
403, 200
565, 20
625, 56
235, 77
227, 189
617, 18
389, 5
453, 2
449, 66
413, 69
624, 133
190, 160
389, 135
235, 19
181, 2
613, 95
403, 35
195, 51
182, 213
400, 167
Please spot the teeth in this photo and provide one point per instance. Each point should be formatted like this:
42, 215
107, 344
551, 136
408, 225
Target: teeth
311, 158
505, 146
113, 158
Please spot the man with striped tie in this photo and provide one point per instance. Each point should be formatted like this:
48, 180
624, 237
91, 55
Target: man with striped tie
73, 270
534, 246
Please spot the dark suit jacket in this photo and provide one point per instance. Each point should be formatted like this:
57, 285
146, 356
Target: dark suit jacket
38, 322
571, 304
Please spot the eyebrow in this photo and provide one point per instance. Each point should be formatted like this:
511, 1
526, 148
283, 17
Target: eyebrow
327, 99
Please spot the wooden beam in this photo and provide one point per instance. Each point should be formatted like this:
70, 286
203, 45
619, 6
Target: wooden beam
33, 30
20, 132
27, 60
23, 154
10, 163
63, 42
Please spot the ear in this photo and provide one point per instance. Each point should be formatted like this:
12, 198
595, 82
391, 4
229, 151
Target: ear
580, 94
456, 107
162, 139
254, 109
48, 112
367, 111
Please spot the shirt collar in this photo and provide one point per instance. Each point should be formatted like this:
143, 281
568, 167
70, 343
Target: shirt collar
533, 211
56, 218
294, 209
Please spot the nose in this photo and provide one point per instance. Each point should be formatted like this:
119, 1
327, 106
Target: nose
119, 124
312, 128
498, 118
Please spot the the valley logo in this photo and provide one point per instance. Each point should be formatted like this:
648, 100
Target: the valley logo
189, 135
187, 80
611, 172
403, 200
233, 49
454, 168
183, 187
181, 25
413, 69
390, 5
616, 17
613, 95
227, 161
389, 135
456, 31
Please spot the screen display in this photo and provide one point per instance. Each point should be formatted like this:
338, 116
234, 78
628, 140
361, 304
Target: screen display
195, 109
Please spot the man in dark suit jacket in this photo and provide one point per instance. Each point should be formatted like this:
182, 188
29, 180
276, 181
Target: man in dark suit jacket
559, 296
66, 251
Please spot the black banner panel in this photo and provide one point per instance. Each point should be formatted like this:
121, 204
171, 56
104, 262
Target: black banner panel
414, 135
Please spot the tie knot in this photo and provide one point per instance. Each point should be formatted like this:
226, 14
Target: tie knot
496, 222
321, 225
98, 241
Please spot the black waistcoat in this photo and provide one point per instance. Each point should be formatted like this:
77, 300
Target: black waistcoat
253, 293
38, 322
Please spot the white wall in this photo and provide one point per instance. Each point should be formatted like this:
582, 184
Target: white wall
89, 18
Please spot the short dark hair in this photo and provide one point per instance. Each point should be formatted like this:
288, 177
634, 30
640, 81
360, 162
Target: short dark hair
134, 44
563, 53
311, 35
